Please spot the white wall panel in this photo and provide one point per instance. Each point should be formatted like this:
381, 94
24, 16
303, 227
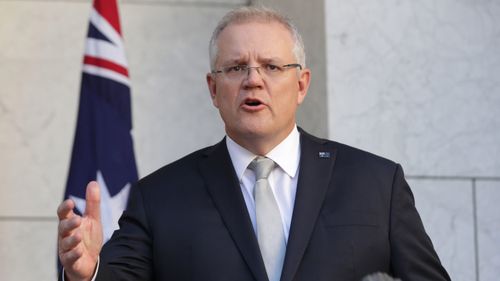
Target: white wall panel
28, 250
417, 81
488, 224
446, 209
41, 50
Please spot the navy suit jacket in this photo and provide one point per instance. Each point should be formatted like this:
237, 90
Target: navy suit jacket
354, 214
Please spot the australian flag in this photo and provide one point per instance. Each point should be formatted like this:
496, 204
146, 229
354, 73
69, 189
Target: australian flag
103, 147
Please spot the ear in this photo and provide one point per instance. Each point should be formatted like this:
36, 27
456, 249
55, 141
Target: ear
212, 87
304, 81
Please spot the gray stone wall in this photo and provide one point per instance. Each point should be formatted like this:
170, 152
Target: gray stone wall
417, 82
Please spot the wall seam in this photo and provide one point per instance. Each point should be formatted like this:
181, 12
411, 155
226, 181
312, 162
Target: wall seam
28, 218
474, 216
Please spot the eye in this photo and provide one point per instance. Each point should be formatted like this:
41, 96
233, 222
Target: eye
272, 68
234, 68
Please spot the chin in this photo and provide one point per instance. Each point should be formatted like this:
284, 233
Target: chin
249, 131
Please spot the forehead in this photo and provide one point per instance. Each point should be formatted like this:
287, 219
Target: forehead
255, 40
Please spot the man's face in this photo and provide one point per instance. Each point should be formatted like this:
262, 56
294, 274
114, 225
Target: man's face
257, 107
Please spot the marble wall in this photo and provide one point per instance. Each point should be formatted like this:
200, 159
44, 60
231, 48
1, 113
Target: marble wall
417, 82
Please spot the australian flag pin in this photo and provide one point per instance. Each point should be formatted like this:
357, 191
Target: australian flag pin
324, 154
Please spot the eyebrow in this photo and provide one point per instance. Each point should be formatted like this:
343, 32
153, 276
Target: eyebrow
271, 59
236, 61
242, 60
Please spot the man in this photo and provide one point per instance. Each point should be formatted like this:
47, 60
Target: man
319, 210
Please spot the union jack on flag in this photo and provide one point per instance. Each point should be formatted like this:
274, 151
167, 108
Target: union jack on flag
103, 147
104, 50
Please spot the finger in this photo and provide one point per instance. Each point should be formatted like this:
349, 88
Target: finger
93, 201
70, 242
67, 226
70, 257
65, 209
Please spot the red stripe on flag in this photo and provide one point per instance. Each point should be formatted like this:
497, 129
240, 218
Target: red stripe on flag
105, 64
108, 9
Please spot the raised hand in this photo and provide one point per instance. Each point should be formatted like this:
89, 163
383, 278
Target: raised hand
80, 238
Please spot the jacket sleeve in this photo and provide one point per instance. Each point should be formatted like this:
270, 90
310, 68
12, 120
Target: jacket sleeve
413, 257
128, 254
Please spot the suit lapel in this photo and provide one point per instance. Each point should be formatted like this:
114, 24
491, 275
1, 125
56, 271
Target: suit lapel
224, 188
316, 165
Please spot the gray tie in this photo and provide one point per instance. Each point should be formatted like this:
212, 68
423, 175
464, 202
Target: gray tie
269, 226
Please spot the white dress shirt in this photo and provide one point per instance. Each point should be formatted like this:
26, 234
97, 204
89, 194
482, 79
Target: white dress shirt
283, 178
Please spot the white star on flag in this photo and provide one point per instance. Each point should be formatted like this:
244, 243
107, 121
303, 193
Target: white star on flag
111, 207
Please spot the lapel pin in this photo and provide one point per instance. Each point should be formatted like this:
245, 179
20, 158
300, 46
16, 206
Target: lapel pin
324, 154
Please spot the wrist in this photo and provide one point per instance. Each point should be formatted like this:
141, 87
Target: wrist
69, 277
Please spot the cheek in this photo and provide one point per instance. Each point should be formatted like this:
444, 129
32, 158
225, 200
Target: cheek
223, 101
285, 107
290, 98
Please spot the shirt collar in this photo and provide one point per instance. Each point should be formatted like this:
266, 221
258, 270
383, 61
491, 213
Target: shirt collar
286, 154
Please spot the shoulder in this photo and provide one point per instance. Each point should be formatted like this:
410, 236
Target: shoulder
183, 169
350, 157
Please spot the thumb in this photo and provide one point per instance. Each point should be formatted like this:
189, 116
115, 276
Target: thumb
93, 201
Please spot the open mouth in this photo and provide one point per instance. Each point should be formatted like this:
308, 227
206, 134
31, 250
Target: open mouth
252, 102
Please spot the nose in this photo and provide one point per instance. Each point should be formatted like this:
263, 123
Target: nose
249, 69
254, 77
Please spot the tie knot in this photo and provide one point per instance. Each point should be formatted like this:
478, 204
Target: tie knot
262, 167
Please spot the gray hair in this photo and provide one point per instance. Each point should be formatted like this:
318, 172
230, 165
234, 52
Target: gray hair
249, 14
